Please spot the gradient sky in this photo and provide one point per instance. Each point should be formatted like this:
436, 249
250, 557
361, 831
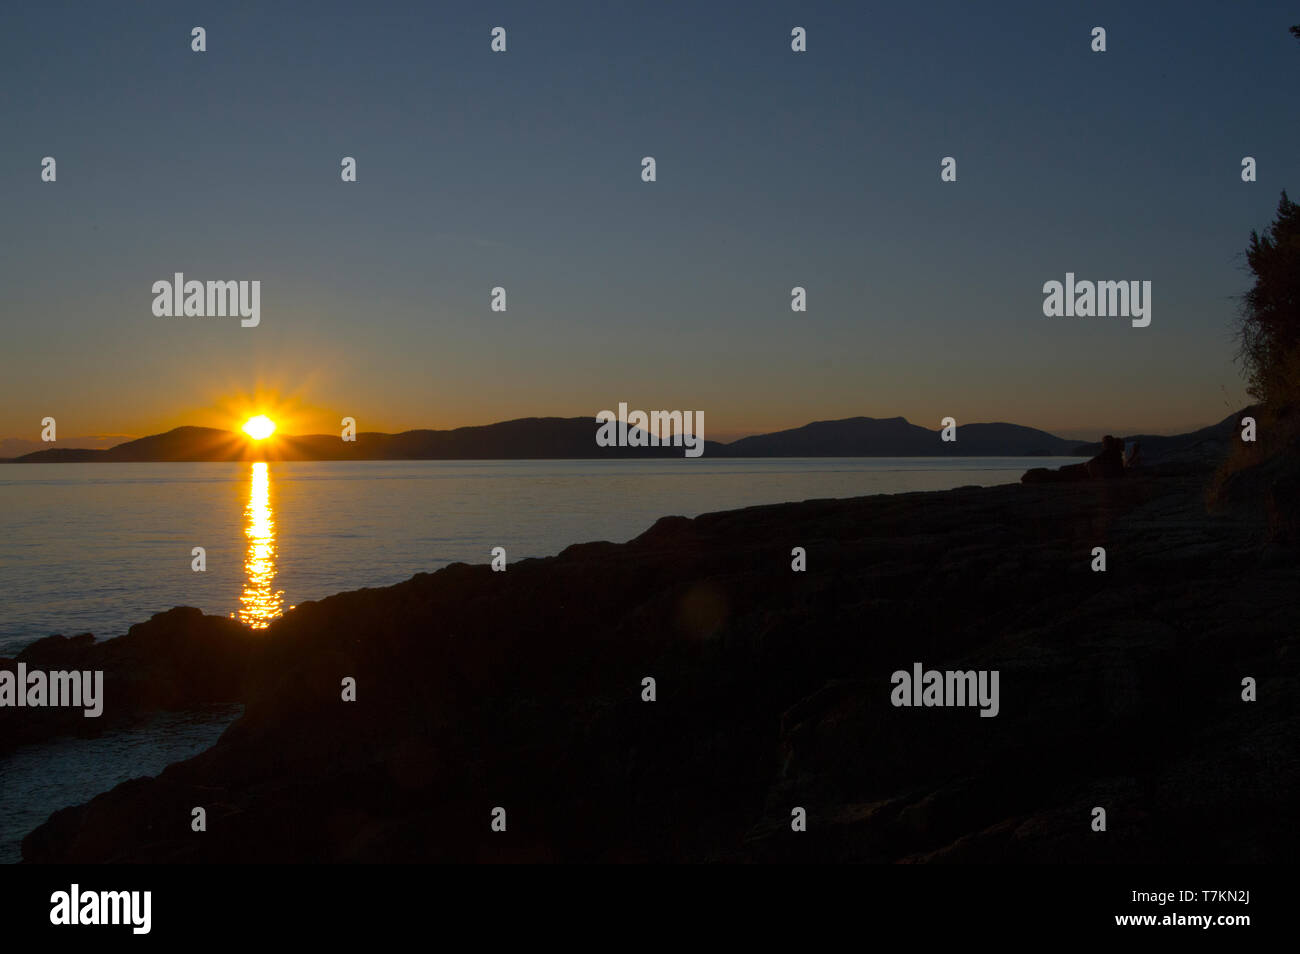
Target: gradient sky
523, 170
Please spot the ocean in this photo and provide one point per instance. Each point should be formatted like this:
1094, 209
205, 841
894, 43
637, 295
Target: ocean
98, 547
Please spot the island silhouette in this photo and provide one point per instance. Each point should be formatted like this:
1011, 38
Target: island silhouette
555, 438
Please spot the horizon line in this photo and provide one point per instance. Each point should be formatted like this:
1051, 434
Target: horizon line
731, 438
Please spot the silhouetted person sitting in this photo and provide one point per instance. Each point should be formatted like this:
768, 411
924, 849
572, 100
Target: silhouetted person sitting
1109, 463
1134, 458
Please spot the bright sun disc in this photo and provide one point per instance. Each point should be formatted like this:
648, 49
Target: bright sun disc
259, 428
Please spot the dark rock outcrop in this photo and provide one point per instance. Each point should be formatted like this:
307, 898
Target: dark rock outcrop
180, 659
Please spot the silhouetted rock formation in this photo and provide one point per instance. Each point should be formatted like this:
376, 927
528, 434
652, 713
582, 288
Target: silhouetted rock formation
523, 690
178, 660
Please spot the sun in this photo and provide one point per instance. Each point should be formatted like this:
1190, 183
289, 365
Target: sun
259, 428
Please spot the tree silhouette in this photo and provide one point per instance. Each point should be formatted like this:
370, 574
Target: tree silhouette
1270, 316
1269, 329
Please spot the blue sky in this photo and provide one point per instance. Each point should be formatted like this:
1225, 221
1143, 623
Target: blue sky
522, 170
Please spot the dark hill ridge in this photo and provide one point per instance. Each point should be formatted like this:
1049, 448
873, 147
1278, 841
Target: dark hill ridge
897, 437
574, 439
851, 437
522, 689
524, 439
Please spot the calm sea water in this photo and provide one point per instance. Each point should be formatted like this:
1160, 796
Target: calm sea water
38, 780
97, 547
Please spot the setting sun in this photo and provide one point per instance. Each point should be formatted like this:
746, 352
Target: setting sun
259, 428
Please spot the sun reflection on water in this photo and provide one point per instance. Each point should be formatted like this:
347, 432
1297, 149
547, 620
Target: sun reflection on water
260, 603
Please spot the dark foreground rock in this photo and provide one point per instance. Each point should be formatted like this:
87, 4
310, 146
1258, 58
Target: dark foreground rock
523, 689
178, 660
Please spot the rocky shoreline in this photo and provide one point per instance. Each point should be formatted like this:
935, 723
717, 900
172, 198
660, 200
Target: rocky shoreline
178, 660
523, 690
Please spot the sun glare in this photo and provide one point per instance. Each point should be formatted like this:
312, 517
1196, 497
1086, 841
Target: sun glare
259, 428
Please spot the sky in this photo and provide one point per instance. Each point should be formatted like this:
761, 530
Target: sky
522, 170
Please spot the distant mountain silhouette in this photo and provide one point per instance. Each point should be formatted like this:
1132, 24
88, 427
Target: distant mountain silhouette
530, 438
897, 437
178, 444
17, 446
574, 438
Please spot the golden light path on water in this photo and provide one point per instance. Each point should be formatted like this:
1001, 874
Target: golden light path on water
260, 602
